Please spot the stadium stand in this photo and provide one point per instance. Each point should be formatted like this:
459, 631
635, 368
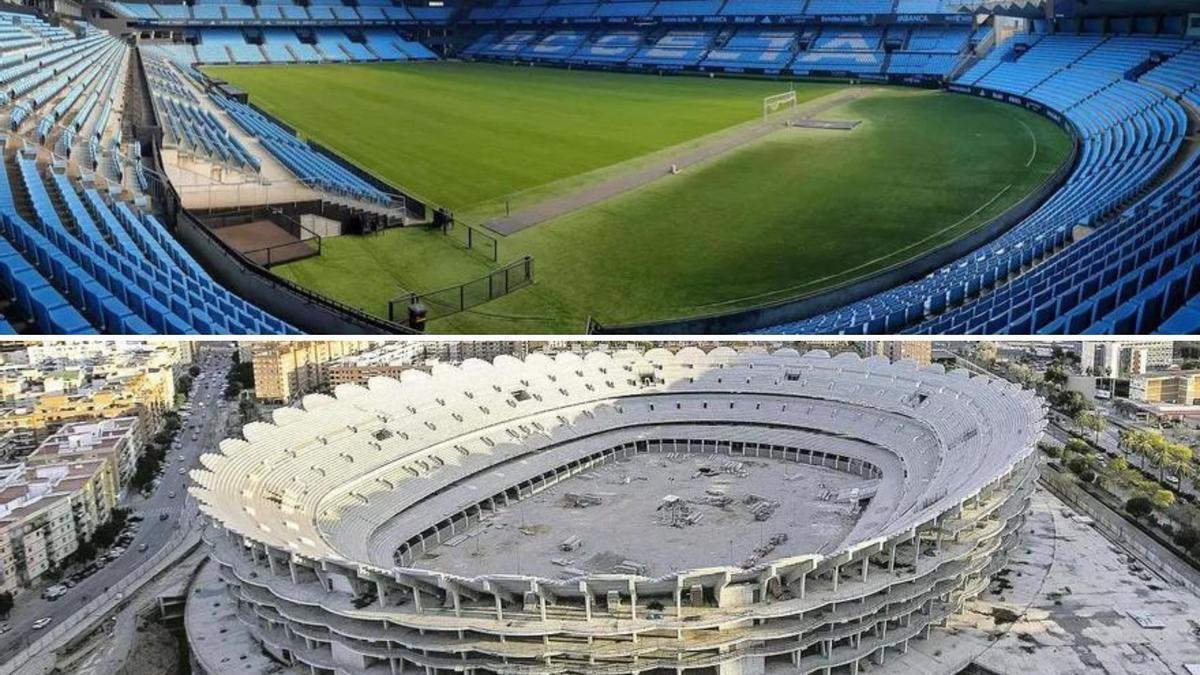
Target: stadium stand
926, 52
1132, 268
370, 490
77, 257
309, 165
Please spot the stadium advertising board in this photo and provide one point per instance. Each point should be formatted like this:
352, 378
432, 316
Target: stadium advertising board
1013, 99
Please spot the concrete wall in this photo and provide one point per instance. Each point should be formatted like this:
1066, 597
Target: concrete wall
1116, 527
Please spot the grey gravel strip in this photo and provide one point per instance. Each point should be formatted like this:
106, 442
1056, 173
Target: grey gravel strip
552, 208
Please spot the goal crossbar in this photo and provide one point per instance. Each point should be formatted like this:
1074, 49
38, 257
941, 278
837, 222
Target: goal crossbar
777, 102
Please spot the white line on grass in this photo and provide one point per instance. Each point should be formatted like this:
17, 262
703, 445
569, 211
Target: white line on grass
1032, 137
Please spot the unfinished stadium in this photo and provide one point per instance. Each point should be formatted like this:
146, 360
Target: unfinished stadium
764, 512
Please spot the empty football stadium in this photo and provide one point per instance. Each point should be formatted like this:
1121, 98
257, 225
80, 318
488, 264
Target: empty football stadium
551, 166
769, 512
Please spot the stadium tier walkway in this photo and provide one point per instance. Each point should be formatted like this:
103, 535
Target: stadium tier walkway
199, 188
712, 146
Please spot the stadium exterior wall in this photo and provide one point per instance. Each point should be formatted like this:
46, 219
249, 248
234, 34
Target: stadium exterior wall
807, 613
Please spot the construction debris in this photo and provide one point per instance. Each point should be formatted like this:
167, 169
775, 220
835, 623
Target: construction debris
677, 512
571, 543
761, 507
576, 500
728, 467
763, 550
630, 567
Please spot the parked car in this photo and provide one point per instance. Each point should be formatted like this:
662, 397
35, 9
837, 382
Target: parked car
42, 623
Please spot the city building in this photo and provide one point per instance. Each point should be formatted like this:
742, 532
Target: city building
920, 352
1115, 359
1178, 387
388, 360
70, 385
46, 512
284, 371
119, 440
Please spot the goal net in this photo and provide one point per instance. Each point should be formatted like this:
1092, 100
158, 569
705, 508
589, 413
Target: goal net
776, 103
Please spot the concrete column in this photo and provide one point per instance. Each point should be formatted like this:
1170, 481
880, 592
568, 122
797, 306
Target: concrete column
866, 563
499, 607
892, 559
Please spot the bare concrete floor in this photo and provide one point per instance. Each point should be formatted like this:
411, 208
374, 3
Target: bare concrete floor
265, 242
1075, 595
634, 521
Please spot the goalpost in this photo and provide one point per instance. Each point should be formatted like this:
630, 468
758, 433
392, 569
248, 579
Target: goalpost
775, 103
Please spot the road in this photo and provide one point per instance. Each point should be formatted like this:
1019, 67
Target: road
200, 432
1062, 430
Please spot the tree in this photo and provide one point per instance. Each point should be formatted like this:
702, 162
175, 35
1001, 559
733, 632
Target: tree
1078, 465
1077, 446
1139, 507
1022, 375
194, 371
1127, 440
1178, 459
1091, 421
6, 604
85, 552
1187, 538
1163, 499
1055, 376
985, 352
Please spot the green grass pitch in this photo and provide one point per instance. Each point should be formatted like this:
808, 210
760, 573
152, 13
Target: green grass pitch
796, 211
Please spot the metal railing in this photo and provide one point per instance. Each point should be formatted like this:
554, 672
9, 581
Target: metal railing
460, 297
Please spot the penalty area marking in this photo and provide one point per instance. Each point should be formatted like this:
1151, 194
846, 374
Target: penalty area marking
1032, 137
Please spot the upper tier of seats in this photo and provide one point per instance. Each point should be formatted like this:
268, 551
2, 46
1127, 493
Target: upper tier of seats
285, 45
830, 50
236, 13
1135, 268
231, 12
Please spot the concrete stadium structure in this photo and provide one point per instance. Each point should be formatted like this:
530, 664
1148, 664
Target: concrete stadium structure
328, 526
